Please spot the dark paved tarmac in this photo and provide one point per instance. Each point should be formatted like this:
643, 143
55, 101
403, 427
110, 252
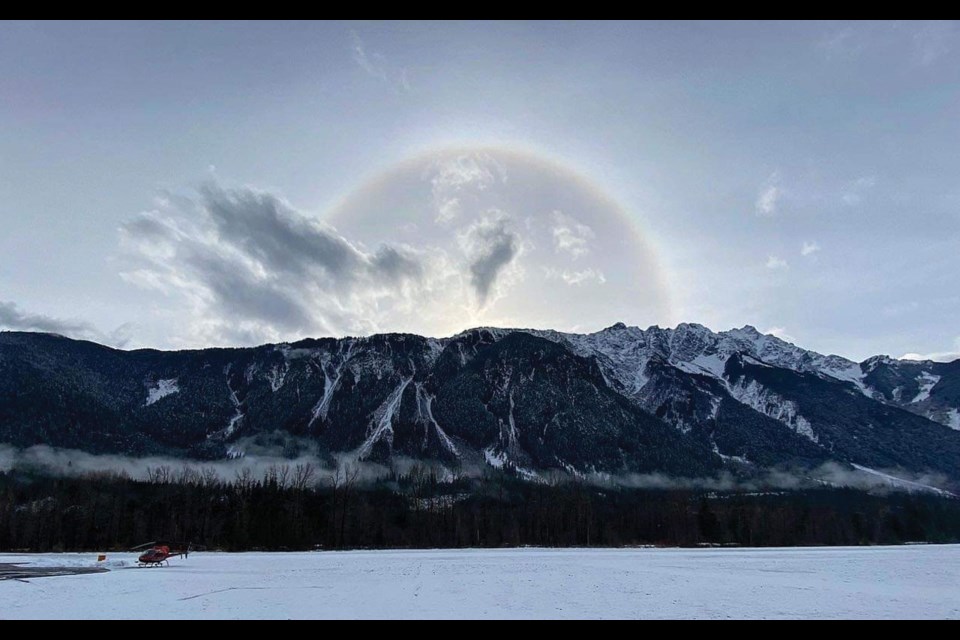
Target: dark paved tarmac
21, 572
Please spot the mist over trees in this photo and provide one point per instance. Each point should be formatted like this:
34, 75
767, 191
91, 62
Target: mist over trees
296, 507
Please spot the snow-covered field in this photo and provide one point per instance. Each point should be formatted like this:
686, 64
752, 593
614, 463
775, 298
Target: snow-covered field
879, 582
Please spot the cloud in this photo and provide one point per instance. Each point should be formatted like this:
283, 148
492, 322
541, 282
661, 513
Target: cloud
841, 43
456, 180
253, 268
14, 318
491, 248
575, 278
937, 356
571, 236
900, 308
916, 42
769, 197
830, 473
266, 229
933, 41
809, 248
773, 262
780, 332
767, 200
377, 65
856, 190
258, 461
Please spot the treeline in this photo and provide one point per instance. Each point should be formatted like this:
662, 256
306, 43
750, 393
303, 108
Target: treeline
289, 509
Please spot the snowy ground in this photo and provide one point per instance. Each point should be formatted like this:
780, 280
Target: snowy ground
879, 582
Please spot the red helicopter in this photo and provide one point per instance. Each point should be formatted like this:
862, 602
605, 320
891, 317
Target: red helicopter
159, 553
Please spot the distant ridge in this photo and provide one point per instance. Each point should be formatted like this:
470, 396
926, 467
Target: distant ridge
685, 401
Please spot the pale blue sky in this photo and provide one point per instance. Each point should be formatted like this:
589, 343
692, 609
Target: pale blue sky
800, 177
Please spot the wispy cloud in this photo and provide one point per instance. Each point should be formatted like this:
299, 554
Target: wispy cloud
255, 269
933, 41
781, 332
457, 180
841, 43
809, 248
768, 199
920, 43
900, 308
856, 190
575, 278
377, 65
938, 356
12, 317
571, 236
775, 263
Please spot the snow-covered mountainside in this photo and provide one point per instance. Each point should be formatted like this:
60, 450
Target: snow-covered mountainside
624, 353
684, 401
695, 349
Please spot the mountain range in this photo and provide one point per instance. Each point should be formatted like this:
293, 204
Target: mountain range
686, 401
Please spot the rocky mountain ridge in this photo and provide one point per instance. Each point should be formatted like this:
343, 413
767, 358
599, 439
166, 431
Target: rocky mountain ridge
684, 401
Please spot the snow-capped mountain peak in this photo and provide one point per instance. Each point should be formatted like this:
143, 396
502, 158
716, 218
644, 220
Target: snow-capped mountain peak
624, 353
681, 400
694, 348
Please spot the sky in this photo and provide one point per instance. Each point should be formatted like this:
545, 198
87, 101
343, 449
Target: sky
179, 185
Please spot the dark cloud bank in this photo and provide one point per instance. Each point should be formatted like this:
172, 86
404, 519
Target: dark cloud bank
255, 269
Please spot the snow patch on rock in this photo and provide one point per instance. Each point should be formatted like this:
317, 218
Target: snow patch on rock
754, 395
162, 389
953, 419
276, 376
381, 426
726, 458
495, 459
927, 382
331, 380
425, 416
234, 422
900, 483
